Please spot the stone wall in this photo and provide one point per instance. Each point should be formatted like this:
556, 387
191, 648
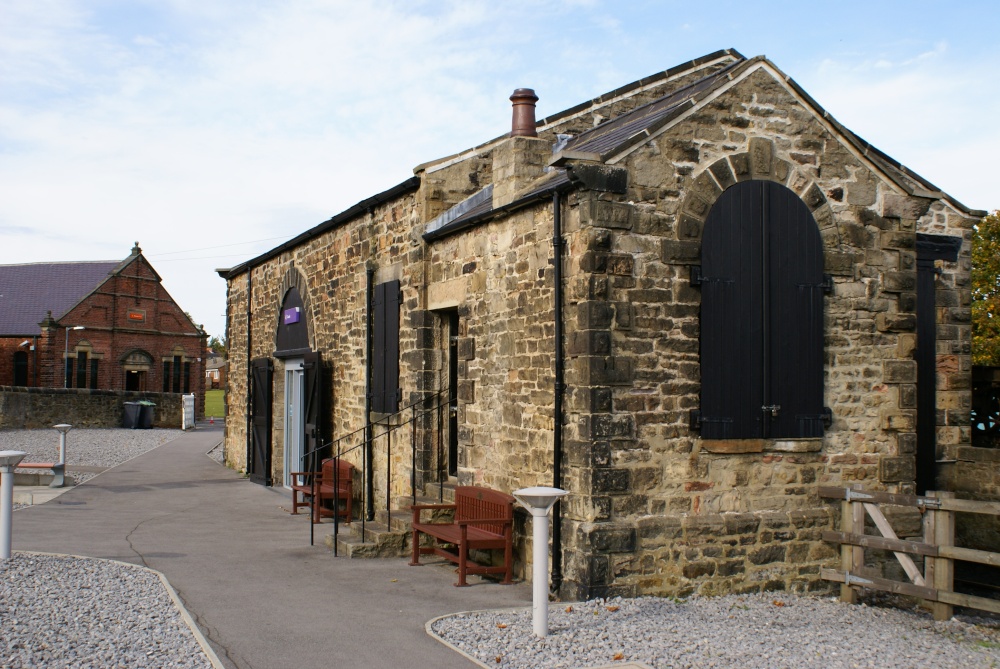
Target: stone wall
35, 408
662, 502
654, 507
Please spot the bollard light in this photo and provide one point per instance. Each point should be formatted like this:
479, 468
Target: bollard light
539, 501
59, 480
8, 461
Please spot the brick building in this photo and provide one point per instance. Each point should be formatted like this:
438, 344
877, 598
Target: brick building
689, 302
102, 325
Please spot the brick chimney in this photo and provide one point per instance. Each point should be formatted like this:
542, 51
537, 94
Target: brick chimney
521, 158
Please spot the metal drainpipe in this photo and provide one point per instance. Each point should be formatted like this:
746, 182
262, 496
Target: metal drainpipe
249, 405
560, 388
369, 475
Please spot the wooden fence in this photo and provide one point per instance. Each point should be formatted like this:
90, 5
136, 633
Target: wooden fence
937, 581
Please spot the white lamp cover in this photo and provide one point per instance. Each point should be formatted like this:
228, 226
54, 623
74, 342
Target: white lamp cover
11, 458
539, 499
63, 427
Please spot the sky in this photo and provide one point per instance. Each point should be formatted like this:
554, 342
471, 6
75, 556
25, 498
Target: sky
213, 130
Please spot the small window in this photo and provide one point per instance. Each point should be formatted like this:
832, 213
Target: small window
93, 373
81, 369
762, 289
187, 377
166, 376
177, 374
385, 353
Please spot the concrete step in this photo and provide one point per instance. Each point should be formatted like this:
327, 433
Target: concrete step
378, 540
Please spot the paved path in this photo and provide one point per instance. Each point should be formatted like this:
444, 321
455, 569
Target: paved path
243, 566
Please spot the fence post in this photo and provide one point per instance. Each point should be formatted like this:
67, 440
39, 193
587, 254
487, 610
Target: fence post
930, 523
852, 558
944, 568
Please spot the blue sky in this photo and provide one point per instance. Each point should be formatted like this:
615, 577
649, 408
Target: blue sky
211, 131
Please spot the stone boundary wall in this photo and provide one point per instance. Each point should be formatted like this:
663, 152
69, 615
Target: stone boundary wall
34, 408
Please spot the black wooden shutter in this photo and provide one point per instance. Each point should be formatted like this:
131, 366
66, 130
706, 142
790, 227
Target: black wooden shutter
731, 331
795, 317
385, 358
761, 316
313, 372
259, 460
93, 373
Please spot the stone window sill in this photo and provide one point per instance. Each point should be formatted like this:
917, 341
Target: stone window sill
734, 446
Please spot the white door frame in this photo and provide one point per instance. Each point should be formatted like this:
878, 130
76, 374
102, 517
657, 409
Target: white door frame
294, 408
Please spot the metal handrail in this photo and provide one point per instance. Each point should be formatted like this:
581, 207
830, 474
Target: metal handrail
368, 429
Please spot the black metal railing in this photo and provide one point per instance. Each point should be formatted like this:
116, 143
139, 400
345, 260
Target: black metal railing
367, 439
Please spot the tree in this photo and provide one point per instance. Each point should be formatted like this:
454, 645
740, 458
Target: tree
218, 344
986, 291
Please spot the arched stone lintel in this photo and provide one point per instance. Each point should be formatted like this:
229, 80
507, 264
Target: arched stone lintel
757, 163
294, 279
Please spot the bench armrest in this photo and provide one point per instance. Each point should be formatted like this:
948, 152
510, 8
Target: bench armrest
417, 508
421, 507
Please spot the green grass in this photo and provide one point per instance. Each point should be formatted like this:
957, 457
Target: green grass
214, 403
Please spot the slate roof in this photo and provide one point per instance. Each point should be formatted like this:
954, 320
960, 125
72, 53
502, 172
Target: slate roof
609, 139
619, 134
28, 291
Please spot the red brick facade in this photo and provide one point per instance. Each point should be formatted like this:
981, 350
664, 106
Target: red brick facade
132, 336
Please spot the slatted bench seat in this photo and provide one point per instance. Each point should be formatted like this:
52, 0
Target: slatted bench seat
484, 520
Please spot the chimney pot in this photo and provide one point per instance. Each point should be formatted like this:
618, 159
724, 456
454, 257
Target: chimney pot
523, 120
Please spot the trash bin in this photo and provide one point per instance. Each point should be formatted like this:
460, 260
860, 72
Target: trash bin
145, 414
132, 414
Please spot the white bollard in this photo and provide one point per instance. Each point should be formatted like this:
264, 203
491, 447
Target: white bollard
59, 471
8, 461
539, 501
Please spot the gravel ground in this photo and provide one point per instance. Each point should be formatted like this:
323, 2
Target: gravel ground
746, 631
88, 447
60, 611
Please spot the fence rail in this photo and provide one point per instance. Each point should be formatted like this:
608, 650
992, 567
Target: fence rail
936, 583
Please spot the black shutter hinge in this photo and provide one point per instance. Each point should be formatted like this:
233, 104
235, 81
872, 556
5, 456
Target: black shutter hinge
695, 275
827, 284
827, 417
694, 420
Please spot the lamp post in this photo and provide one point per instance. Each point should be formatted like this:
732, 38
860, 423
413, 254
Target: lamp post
8, 461
539, 501
66, 354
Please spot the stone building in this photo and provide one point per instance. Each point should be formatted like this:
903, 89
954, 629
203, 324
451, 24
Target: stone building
101, 325
734, 322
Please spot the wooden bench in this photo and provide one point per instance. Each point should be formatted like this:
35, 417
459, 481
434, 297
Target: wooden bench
324, 490
484, 520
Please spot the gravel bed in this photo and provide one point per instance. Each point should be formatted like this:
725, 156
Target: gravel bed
747, 631
60, 611
91, 447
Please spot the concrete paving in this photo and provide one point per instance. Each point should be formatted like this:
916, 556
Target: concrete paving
245, 570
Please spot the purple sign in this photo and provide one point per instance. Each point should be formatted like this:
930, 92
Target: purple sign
291, 315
